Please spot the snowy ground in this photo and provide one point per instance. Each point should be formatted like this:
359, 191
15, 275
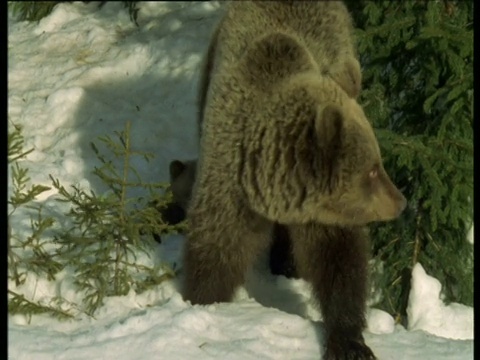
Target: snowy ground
80, 73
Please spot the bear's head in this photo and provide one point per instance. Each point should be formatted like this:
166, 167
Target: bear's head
182, 178
327, 168
355, 186
318, 158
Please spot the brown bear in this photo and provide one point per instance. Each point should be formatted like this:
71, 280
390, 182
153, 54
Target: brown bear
347, 76
284, 141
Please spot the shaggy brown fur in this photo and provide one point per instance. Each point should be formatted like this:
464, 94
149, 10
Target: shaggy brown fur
283, 141
335, 260
280, 260
349, 78
182, 178
329, 39
205, 73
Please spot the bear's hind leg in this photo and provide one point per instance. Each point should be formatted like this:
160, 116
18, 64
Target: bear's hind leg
218, 255
335, 261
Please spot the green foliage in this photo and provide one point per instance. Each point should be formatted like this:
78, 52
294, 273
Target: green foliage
37, 10
109, 231
132, 10
103, 240
32, 10
18, 304
417, 60
30, 254
34, 256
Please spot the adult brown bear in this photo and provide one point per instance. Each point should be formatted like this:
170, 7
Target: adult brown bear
284, 141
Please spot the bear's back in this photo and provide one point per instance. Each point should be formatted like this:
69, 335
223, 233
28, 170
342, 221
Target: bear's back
324, 28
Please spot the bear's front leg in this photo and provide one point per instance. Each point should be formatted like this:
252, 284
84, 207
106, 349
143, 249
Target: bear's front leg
335, 260
221, 245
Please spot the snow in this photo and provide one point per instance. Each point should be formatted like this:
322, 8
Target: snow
81, 73
453, 321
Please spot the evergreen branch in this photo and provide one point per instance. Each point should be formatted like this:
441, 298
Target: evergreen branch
102, 241
37, 10
18, 304
416, 246
13, 261
418, 95
13, 158
15, 145
125, 140
106, 234
119, 181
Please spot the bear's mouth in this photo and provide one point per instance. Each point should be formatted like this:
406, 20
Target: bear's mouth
346, 215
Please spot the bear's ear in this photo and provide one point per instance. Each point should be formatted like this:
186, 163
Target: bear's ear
349, 77
329, 126
176, 169
274, 57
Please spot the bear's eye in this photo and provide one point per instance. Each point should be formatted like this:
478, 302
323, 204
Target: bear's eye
373, 172
370, 180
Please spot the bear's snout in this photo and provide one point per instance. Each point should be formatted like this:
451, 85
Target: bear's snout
401, 203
